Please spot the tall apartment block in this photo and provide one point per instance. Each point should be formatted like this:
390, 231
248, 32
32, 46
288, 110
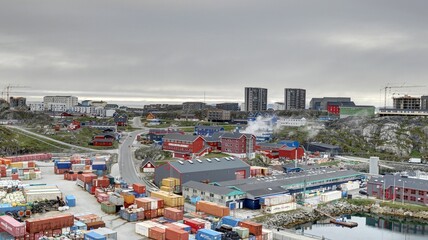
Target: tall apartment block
255, 99
294, 98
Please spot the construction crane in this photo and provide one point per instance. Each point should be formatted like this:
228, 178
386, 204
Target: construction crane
391, 87
8, 88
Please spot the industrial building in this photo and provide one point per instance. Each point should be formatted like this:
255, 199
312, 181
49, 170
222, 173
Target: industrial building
203, 170
332, 150
193, 106
18, 102
255, 99
321, 104
398, 188
294, 98
309, 182
281, 151
212, 193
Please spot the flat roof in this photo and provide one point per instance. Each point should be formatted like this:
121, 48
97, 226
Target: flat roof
208, 164
208, 187
413, 183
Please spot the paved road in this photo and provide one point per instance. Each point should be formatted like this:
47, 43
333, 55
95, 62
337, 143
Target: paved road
40, 136
126, 155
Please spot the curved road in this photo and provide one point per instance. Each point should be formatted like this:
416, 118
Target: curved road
126, 160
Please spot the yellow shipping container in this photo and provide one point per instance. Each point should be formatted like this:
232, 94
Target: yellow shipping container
170, 199
177, 181
166, 189
16, 165
168, 182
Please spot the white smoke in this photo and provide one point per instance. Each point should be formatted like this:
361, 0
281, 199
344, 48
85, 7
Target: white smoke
260, 125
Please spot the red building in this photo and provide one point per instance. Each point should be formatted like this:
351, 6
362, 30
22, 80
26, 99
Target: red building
185, 146
238, 144
333, 109
291, 153
275, 151
103, 142
148, 166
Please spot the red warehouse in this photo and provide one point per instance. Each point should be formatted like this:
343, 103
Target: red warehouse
238, 144
291, 153
103, 142
184, 146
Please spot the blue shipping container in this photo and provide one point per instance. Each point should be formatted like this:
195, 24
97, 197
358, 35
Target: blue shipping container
231, 221
251, 204
206, 234
80, 226
94, 236
99, 173
63, 165
70, 200
6, 236
194, 200
99, 167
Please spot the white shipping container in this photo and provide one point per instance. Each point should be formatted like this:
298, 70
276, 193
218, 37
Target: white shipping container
38, 196
78, 167
106, 232
154, 204
142, 228
330, 196
80, 183
8, 172
24, 164
350, 186
269, 234
116, 199
279, 199
281, 207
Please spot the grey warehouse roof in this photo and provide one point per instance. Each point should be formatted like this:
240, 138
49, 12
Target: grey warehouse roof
413, 183
181, 137
208, 187
208, 164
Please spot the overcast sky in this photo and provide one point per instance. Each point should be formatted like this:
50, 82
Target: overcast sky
140, 52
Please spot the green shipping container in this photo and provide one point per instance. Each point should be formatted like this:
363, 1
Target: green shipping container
108, 207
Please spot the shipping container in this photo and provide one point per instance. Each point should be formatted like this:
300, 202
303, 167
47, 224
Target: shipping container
144, 203
70, 200
251, 204
267, 234
49, 223
207, 234
176, 234
128, 198
94, 236
231, 221
116, 199
242, 232
212, 209
95, 225
254, 228
106, 232
142, 228
139, 188
208, 224
330, 196
13, 227
182, 226
157, 233
170, 200
280, 207
78, 225
276, 199
194, 224
108, 207
173, 214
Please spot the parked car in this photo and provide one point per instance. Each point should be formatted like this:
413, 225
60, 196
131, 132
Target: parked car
363, 192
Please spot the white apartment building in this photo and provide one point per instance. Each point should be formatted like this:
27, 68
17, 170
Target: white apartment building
36, 106
68, 101
292, 122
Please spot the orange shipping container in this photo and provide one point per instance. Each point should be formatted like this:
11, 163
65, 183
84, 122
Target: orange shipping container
173, 214
143, 203
176, 234
49, 223
128, 198
157, 233
139, 188
255, 228
212, 209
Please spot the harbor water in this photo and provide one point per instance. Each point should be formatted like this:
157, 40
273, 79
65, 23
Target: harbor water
378, 228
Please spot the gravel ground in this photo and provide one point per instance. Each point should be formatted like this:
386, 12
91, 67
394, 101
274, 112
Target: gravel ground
86, 203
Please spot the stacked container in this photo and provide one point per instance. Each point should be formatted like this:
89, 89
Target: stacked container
212, 209
48, 224
208, 234
194, 224
170, 199
278, 203
254, 228
176, 234
62, 166
173, 214
13, 227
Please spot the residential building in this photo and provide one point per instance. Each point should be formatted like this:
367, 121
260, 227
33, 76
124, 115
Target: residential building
193, 106
238, 144
37, 106
218, 115
294, 98
56, 107
278, 106
99, 104
121, 120
185, 146
291, 122
156, 134
148, 166
105, 142
207, 130
255, 99
424, 103
228, 106
67, 101
203, 170
407, 103
18, 102
399, 189
87, 103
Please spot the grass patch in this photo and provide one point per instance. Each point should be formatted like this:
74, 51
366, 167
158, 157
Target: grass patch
81, 138
330, 163
407, 206
361, 202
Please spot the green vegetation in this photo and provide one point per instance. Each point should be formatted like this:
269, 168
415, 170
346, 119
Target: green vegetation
330, 163
361, 202
216, 155
81, 137
407, 206
14, 142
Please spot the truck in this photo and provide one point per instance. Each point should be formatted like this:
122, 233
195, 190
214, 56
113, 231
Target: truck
415, 160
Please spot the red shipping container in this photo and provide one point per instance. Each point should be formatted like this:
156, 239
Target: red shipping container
195, 225
140, 215
95, 225
49, 223
31, 164
149, 214
255, 228
13, 227
15, 176
173, 214
157, 233
139, 188
143, 203
176, 234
